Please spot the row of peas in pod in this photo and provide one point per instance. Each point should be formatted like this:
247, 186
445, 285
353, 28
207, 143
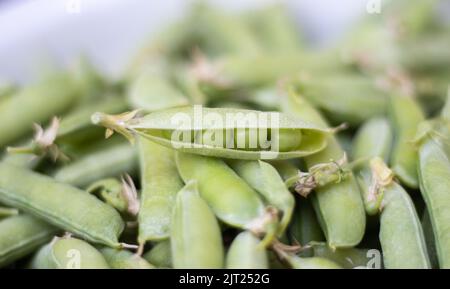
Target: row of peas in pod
232, 142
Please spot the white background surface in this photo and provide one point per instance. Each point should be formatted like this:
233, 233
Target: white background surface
109, 31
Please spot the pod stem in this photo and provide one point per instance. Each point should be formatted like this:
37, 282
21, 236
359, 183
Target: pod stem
321, 175
115, 123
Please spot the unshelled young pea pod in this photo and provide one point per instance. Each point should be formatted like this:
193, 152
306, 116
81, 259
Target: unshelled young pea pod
106, 161
296, 262
239, 205
160, 255
264, 179
220, 132
350, 98
275, 29
37, 103
348, 258
160, 184
60, 204
406, 114
373, 139
21, 235
246, 253
339, 206
68, 253
434, 175
146, 91
401, 235
195, 234
124, 259
304, 227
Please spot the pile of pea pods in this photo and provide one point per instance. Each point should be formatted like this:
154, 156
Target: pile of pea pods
92, 177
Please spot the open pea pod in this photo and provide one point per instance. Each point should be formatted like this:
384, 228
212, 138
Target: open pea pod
223, 132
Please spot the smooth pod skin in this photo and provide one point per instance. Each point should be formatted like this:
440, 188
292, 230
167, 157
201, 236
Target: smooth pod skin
434, 173
230, 197
339, 206
160, 184
246, 253
60, 204
406, 115
160, 255
275, 29
373, 139
350, 98
36, 103
20, 235
110, 191
178, 128
401, 235
311, 263
124, 259
304, 227
348, 258
264, 179
68, 253
196, 240
112, 160
76, 126
429, 239
147, 89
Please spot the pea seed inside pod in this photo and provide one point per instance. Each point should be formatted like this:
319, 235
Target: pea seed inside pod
286, 139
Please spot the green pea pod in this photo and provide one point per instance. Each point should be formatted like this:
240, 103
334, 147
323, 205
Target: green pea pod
123, 259
228, 133
195, 238
76, 125
339, 206
428, 54
287, 171
68, 253
348, 258
160, 184
429, 239
111, 192
406, 115
274, 28
373, 139
304, 227
87, 79
264, 179
151, 91
239, 206
59, 204
259, 70
434, 175
350, 98
311, 263
111, 160
401, 235
160, 255
246, 253
219, 32
36, 103
20, 235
